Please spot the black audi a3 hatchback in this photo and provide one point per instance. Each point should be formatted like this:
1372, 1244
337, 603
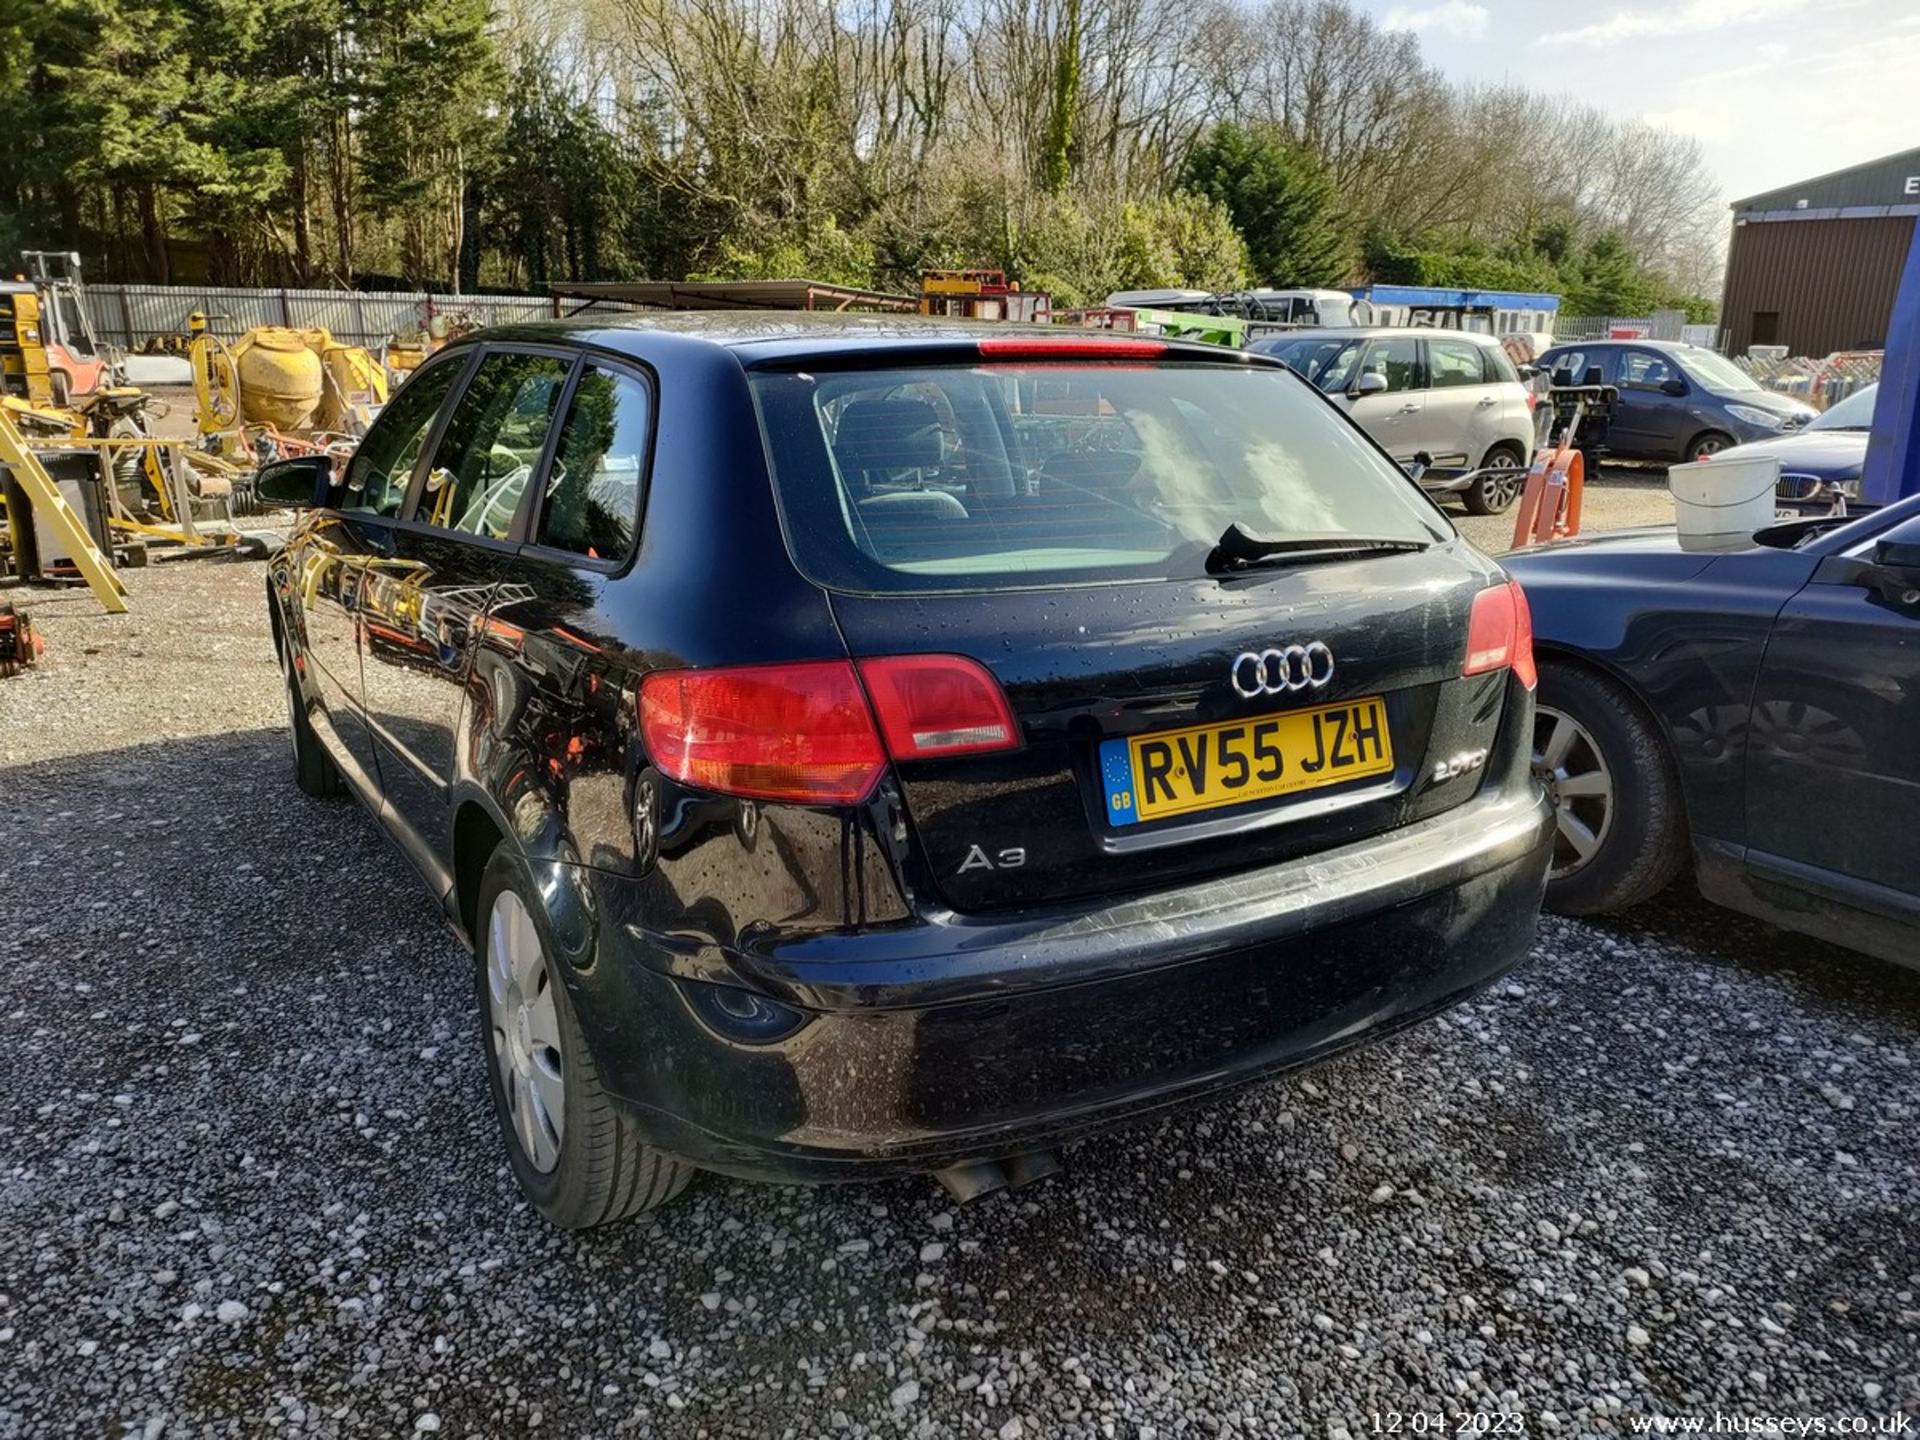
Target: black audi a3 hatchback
852, 746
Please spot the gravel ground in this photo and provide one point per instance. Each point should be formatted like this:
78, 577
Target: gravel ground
1622, 495
248, 1183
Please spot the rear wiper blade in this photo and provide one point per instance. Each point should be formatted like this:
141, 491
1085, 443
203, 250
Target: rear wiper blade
1241, 549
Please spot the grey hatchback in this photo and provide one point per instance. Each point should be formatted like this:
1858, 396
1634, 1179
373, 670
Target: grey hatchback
1677, 402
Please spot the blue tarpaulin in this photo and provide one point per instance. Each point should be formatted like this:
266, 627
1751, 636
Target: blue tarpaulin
1893, 452
1435, 298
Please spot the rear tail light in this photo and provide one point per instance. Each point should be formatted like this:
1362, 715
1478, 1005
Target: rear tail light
938, 705
807, 733
1500, 634
772, 732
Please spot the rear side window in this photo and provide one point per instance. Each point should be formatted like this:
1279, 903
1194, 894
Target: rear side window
1007, 476
592, 504
492, 444
1455, 362
1570, 367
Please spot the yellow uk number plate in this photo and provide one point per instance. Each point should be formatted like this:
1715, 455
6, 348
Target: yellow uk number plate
1176, 772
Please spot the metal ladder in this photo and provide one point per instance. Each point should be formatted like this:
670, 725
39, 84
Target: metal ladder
52, 506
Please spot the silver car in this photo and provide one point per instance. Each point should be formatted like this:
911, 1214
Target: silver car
1453, 396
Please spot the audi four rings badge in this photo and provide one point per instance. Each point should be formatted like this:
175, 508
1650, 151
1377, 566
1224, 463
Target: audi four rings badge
1276, 672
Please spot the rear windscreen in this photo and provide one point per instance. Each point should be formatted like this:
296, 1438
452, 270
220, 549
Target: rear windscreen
1005, 475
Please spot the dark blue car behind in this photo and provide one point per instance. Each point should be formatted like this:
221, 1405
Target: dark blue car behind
1823, 459
1751, 713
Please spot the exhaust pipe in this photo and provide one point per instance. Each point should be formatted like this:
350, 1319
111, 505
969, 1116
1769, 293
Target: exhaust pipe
976, 1178
969, 1181
1024, 1170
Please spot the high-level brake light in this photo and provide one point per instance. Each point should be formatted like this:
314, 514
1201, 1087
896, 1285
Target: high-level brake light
1117, 348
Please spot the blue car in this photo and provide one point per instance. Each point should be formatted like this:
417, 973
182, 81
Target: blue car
1751, 714
1823, 460
1677, 402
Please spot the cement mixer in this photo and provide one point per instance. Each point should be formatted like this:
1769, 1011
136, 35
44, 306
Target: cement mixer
276, 389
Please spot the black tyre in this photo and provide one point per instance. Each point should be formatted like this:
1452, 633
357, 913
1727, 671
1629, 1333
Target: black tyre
1711, 443
574, 1151
1495, 492
1621, 835
313, 769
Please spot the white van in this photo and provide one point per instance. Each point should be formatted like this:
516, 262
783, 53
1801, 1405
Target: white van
1323, 309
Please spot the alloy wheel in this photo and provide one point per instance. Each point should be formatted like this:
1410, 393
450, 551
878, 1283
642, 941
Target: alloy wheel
1502, 488
525, 1024
1570, 765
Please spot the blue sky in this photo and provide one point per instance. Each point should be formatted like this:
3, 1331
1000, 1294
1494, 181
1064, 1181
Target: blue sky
1775, 90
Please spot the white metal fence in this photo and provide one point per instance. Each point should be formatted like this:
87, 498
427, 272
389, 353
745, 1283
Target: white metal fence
129, 315
1820, 382
1661, 325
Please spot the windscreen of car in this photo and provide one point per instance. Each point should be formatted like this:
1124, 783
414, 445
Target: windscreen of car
1003, 476
1324, 361
1853, 413
1716, 372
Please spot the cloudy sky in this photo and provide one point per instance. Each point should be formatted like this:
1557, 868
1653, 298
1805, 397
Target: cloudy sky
1776, 90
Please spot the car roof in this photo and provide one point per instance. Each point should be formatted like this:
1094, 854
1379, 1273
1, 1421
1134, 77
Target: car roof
1667, 345
774, 335
1348, 332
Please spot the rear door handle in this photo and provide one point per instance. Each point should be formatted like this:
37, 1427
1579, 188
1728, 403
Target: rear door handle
1485, 403
1409, 409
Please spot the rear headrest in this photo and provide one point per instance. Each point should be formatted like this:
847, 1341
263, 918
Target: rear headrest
1595, 376
1098, 470
906, 507
888, 435
1563, 376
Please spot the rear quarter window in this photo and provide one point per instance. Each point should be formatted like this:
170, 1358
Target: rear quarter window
1457, 362
1011, 476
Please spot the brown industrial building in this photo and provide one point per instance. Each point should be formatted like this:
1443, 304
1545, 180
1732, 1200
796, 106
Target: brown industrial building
1815, 266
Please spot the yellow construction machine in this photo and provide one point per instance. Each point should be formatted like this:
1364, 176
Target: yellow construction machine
278, 391
49, 355
408, 350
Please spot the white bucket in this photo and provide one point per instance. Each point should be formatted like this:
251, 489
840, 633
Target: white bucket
1726, 496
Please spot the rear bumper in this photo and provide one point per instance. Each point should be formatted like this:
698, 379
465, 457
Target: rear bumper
976, 1037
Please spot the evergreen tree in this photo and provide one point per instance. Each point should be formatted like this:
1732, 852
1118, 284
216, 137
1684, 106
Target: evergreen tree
430, 83
1606, 280
1280, 198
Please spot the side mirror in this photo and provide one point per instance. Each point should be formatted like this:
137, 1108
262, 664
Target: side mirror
1371, 383
1675, 387
1895, 572
1899, 557
299, 482
1527, 372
